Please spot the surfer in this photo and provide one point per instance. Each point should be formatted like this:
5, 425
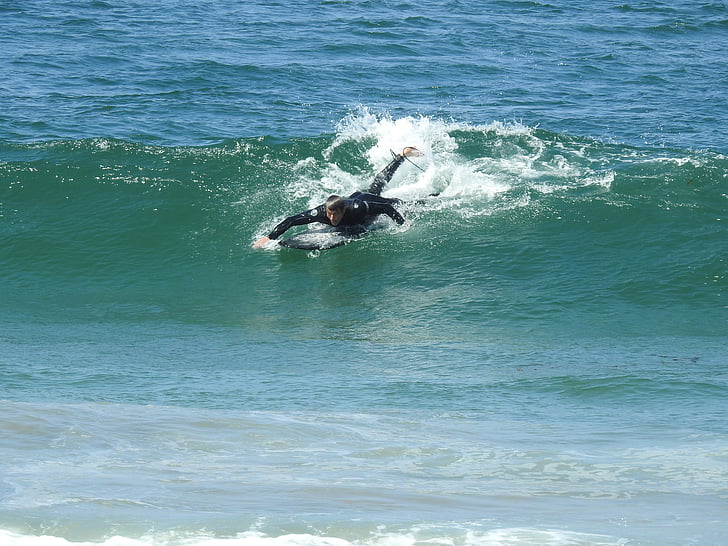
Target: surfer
357, 210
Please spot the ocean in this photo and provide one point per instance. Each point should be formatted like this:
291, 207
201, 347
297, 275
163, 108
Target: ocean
537, 356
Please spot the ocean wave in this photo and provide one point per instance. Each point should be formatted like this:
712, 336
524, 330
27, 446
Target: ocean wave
508, 196
381, 537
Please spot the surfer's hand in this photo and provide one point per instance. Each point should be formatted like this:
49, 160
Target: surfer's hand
411, 151
260, 242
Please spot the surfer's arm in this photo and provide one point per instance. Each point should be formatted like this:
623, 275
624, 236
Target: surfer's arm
260, 242
395, 215
314, 215
377, 208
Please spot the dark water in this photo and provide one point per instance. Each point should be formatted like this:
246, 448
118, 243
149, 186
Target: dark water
194, 72
536, 357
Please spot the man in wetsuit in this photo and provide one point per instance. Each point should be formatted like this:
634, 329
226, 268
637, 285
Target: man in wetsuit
354, 212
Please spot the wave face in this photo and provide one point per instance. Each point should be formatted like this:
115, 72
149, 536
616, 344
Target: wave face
529, 227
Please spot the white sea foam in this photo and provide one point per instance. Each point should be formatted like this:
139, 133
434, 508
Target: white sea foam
412, 537
495, 158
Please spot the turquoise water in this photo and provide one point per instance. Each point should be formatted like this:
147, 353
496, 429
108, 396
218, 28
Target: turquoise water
537, 356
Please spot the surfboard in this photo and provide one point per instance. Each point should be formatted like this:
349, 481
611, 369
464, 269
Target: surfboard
321, 239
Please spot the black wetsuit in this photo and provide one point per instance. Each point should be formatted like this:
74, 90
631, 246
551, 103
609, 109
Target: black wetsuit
361, 207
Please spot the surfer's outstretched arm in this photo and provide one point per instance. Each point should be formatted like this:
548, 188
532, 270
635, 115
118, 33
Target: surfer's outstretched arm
313, 215
386, 174
260, 242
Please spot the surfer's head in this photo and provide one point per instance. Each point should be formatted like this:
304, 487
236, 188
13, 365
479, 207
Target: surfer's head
335, 209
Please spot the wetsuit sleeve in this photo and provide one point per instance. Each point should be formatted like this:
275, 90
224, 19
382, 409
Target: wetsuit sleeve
314, 215
385, 175
377, 208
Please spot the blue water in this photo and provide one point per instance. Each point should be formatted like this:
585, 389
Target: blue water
537, 356
191, 72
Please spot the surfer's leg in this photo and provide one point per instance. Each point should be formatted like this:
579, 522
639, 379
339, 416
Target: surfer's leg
385, 175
